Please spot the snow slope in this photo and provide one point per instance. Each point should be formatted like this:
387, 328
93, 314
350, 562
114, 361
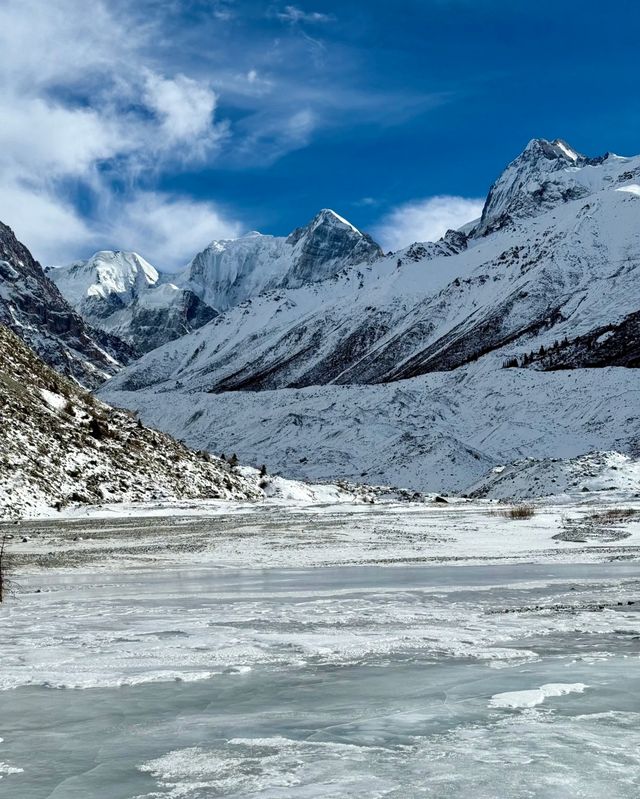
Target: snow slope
438, 432
596, 472
121, 293
392, 371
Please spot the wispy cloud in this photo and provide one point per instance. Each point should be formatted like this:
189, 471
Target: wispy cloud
295, 15
366, 202
425, 220
168, 230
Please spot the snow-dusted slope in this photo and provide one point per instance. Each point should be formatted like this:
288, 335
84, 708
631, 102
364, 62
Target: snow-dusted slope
438, 432
121, 293
552, 269
586, 474
33, 307
59, 445
229, 272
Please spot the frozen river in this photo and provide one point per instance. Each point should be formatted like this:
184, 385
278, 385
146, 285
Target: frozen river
409, 680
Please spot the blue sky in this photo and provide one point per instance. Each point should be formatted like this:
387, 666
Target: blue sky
158, 126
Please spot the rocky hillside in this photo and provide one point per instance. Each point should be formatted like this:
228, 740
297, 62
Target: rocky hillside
122, 294
582, 477
59, 445
394, 370
32, 306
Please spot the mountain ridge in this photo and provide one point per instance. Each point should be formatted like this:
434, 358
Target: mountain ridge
121, 293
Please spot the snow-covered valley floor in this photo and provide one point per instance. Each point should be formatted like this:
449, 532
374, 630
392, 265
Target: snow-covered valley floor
252, 651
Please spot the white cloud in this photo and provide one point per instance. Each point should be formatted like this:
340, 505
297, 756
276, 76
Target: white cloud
39, 137
166, 229
184, 106
91, 122
53, 230
95, 118
425, 220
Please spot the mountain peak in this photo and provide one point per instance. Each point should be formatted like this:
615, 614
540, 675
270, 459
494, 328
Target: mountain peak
330, 217
229, 272
544, 175
330, 223
107, 272
551, 150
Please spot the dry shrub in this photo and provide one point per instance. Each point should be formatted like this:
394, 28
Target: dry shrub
518, 512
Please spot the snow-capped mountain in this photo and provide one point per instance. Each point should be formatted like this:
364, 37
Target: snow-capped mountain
33, 307
121, 293
551, 276
107, 277
550, 271
59, 445
229, 272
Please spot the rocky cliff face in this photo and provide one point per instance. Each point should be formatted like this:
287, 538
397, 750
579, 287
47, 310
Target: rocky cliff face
121, 293
33, 307
325, 246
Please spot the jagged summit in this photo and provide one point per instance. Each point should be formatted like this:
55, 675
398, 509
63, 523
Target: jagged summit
558, 148
231, 271
546, 174
327, 216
